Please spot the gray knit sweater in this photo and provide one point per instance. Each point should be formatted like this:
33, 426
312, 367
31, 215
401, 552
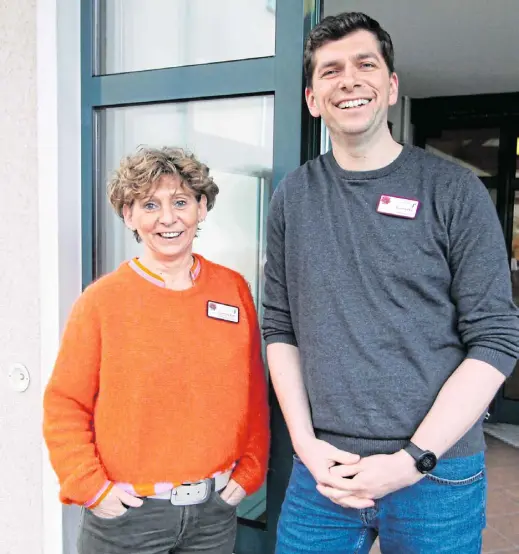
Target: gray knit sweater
382, 308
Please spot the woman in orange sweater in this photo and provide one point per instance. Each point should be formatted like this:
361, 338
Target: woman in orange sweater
156, 414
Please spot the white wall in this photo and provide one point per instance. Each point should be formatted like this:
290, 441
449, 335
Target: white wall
40, 249
20, 421
59, 177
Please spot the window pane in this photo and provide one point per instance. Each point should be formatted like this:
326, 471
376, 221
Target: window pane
150, 34
234, 137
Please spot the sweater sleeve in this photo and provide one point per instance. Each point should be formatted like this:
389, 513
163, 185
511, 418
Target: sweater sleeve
488, 320
252, 466
69, 402
277, 320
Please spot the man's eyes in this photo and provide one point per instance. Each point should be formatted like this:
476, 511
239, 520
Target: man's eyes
329, 72
332, 72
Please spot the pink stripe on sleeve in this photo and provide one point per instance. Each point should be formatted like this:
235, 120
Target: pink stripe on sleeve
98, 495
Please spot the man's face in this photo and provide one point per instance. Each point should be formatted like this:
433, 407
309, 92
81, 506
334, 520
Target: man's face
351, 86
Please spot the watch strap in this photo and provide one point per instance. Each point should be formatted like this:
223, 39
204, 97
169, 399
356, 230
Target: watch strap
414, 451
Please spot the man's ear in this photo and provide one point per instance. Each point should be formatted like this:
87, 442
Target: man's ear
313, 108
393, 89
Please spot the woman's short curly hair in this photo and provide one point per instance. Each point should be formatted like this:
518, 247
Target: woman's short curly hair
138, 173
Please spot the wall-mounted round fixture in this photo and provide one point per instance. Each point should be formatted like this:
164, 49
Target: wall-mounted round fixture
19, 377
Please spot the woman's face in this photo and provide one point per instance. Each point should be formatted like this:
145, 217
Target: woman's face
167, 220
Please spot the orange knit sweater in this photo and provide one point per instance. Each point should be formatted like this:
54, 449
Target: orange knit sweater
148, 389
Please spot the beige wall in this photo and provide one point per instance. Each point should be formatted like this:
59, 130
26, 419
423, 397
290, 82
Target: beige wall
20, 420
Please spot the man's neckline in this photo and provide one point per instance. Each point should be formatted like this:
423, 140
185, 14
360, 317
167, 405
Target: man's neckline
367, 174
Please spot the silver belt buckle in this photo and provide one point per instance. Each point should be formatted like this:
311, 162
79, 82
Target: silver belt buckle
190, 494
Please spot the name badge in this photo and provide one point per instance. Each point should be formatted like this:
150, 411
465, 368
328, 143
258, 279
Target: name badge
223, 312
399, 207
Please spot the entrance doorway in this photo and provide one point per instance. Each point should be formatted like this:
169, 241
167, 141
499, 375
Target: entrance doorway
464, 130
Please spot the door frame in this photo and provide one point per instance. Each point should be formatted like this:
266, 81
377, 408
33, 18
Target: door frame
430, 116
296, 139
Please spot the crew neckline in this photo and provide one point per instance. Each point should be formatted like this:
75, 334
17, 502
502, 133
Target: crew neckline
146, 273
197, 288
367, 175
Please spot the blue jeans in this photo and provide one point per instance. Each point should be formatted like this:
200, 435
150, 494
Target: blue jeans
443, 513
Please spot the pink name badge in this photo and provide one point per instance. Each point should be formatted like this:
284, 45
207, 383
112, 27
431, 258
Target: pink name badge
397, 206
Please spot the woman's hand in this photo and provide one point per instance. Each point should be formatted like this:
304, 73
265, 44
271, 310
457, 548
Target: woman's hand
233, 493
112, 505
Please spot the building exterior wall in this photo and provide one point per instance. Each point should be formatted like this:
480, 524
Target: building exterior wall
20, 419
59, 181
40, 249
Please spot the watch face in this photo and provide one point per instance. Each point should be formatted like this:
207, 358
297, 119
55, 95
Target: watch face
427, 462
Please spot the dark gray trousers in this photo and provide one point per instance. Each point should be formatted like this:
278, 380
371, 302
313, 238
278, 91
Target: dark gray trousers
158, 527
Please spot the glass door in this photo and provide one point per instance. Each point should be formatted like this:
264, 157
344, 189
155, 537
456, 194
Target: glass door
224, 80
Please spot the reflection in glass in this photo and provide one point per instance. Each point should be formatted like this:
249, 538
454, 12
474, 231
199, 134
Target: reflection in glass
151, 34
234, 137
475, 149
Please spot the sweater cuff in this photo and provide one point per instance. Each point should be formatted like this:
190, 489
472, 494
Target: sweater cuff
250, 481
100, 496
285, 338
84, 490
501, 361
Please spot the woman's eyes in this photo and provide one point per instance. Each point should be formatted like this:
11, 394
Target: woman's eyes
178, 204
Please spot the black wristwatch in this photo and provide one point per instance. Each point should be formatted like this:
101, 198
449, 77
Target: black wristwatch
425, 459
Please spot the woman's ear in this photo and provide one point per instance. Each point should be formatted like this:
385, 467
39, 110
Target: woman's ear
202, 208
127, 216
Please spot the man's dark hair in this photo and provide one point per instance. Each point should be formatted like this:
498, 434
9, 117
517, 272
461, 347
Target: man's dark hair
336, 27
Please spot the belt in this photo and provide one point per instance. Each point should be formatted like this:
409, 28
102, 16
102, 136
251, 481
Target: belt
195, 493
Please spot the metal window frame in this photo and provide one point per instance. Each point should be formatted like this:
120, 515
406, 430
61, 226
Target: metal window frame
296, 138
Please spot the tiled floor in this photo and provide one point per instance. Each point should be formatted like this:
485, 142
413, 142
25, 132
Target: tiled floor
502, 532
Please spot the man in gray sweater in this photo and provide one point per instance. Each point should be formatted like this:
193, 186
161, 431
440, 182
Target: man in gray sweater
389, 320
